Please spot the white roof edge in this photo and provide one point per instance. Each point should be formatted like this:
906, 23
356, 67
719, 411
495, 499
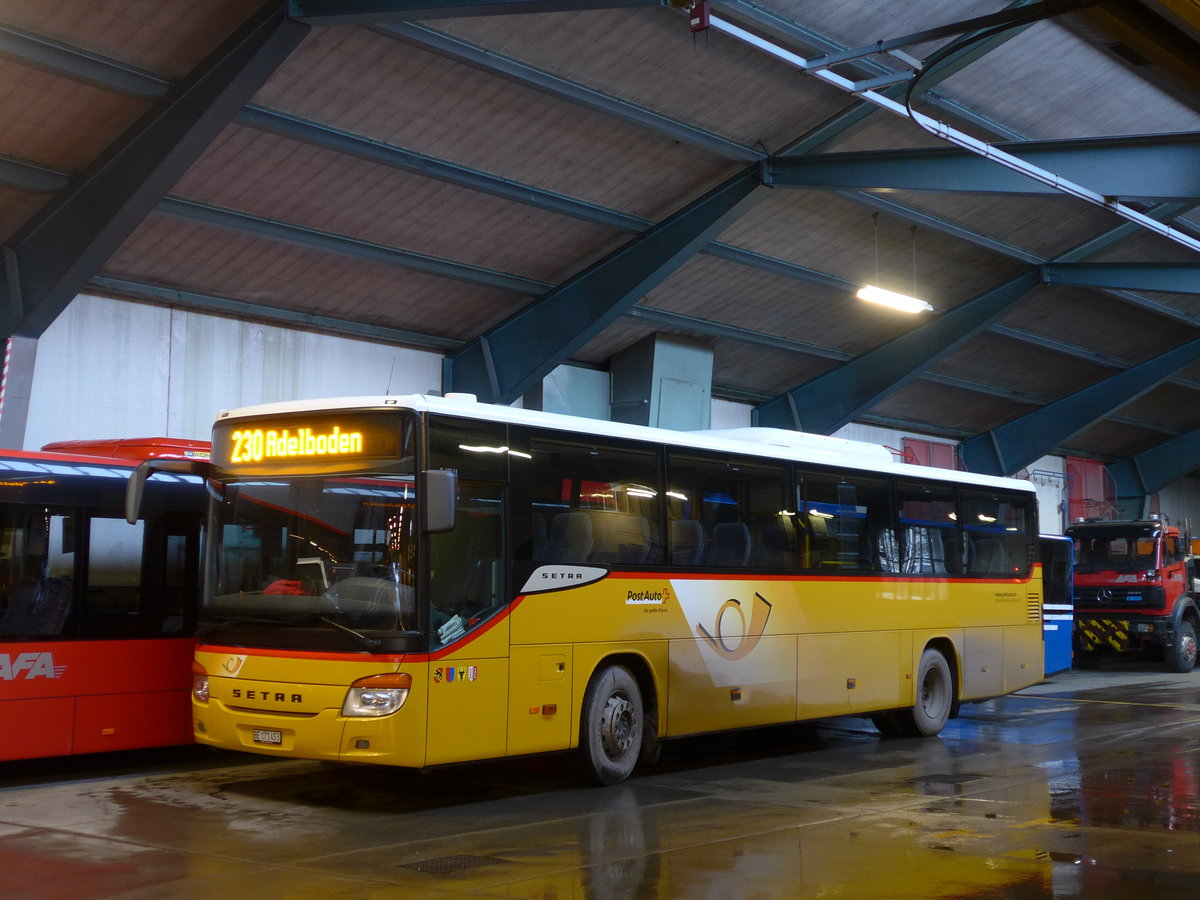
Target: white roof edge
777, 443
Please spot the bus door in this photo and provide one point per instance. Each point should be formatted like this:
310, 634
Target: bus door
468, 667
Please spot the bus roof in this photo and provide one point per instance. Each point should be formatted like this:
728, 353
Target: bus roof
132, 448
774, 443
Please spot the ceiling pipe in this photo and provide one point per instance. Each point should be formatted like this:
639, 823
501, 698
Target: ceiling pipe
954, 136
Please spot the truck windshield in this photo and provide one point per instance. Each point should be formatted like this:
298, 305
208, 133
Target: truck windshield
333, 553
1115, 551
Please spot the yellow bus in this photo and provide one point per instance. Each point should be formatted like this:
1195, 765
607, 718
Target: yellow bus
416, 581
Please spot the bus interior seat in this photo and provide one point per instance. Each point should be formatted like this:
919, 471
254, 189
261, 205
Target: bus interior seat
539, 537
618, 537
924, 551
730, 545
570, 538
771, 550
687, 542
816, 541
987, 557
634, 546
889, 552
37, 607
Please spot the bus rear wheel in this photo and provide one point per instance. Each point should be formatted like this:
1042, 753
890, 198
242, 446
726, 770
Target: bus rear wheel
610, 738
1181, 655
934, 700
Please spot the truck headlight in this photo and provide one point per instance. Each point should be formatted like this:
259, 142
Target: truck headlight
377, 695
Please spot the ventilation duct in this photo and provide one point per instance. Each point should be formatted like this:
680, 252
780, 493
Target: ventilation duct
665, 381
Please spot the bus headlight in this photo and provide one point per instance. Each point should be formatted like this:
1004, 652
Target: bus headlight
377, 695
199, 683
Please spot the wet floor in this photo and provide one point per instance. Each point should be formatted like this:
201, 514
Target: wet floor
1084, 786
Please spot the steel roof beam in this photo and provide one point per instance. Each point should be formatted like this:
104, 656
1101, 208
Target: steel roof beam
211, 304
368, 12
1176, 278
530, 76
1019, 14
347, 246
827, 402
1153, 469
1013, 445
348, 144
504, 363
708, 328
941, 226
29, 176
40, 52
1145, 167
49, 260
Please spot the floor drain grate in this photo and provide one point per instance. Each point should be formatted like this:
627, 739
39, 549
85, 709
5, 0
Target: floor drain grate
447, 865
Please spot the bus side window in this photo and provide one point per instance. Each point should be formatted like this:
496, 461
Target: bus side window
730, 513
36, 593
597, 503
113, 602
997, 527
929, 535
846, 522
170, 574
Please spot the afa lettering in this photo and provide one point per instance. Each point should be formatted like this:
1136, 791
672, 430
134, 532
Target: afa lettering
29, 666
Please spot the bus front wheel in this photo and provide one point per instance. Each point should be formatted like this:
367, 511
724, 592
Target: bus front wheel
934, 700
611, 730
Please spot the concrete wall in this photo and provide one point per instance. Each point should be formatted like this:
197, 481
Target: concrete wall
109, 368
1180, 503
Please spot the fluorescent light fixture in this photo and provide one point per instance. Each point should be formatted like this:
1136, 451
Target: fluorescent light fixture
891, 299
471, 449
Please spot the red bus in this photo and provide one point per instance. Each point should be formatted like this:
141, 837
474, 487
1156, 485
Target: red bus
96, 614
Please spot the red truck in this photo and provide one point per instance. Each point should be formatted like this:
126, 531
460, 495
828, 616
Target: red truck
1135, 589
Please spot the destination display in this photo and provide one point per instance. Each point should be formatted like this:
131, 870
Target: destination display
307, 441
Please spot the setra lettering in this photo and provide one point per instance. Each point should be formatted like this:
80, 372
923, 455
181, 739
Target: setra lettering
269, 696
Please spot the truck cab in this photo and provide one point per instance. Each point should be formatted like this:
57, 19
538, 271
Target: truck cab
1135, 590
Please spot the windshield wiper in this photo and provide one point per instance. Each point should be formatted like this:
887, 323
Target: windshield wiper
369, 642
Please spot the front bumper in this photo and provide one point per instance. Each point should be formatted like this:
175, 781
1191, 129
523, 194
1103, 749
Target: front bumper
1121, 634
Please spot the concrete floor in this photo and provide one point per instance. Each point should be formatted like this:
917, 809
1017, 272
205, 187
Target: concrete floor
1084, 786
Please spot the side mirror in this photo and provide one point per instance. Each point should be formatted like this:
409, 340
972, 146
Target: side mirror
439, 498
136, 485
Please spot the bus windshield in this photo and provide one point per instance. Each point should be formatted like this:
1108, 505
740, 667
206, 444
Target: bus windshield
327, 552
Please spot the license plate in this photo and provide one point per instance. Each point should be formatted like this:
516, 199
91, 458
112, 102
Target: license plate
267, 736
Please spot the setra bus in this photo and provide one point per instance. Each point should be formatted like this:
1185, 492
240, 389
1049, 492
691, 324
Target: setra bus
96, 614
417, 581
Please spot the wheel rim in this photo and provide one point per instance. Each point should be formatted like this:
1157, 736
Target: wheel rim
616, 726
1188, 646
933, 691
